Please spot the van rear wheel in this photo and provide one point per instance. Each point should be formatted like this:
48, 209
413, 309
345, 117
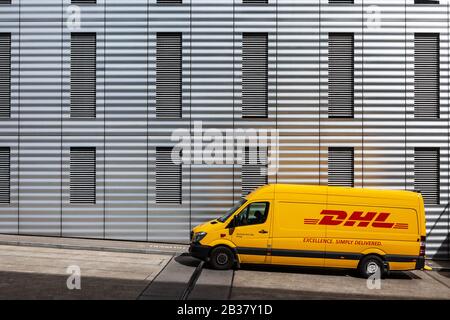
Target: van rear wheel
221, 258
370, 266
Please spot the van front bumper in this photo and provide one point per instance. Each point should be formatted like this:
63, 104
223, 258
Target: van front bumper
199, 251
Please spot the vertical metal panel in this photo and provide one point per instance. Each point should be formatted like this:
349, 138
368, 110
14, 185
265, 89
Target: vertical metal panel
213, 188
168, 222
126, 116
258, 18
384, 96
298, 92
425, 133
343, 18
39, 143
75, 219
9, 126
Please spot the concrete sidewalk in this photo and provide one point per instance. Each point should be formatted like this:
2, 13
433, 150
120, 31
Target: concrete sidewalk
93, 244
43, 273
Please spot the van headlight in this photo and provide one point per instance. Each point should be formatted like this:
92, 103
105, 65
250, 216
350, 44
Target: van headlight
198, 236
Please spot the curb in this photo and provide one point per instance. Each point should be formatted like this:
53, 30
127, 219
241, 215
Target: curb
192, 281
437, 266
442, 269
91, 248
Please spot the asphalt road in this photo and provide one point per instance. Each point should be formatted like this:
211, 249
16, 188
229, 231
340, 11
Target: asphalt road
42, 273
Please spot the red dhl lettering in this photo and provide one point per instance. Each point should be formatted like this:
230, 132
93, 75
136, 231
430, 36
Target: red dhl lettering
359, 219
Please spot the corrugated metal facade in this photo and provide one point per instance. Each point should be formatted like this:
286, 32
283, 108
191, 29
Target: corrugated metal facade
125, 132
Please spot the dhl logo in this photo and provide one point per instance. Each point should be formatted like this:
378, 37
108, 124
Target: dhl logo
357, 218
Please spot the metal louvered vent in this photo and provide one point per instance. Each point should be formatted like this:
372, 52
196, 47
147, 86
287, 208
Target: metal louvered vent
254, 169
83, 176
169, 75
83, 75
341, 1
426, 1
168, 177
84, 1
341, 75
5, 75
5, 176
255, 1
426, 76
341, 167
427, 174
169, 1
255, 75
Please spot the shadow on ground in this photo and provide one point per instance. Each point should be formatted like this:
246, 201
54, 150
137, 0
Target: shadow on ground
41, 286
27, 286
444, 274
187, 260
323, 271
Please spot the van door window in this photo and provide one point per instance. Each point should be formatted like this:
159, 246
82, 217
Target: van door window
254, 213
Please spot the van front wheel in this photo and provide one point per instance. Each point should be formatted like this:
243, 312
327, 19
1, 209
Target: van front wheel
221, 258
370, 266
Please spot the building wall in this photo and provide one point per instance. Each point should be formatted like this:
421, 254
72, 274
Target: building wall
126, 131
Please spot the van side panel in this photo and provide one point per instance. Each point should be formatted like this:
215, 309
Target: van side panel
372, 226
294, 241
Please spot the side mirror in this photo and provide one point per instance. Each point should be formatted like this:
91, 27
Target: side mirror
233, 223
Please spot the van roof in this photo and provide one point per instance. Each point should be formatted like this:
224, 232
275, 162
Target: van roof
352, 192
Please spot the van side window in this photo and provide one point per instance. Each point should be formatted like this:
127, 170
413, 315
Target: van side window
254, 213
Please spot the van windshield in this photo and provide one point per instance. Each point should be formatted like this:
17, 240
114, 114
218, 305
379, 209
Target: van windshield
231, 211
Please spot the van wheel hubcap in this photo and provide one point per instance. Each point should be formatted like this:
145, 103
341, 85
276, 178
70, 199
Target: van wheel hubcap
372, 267
222, 258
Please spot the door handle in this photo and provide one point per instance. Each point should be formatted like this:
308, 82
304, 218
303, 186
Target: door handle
263, 231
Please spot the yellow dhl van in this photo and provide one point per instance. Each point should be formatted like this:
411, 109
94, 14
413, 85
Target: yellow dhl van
369, 230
